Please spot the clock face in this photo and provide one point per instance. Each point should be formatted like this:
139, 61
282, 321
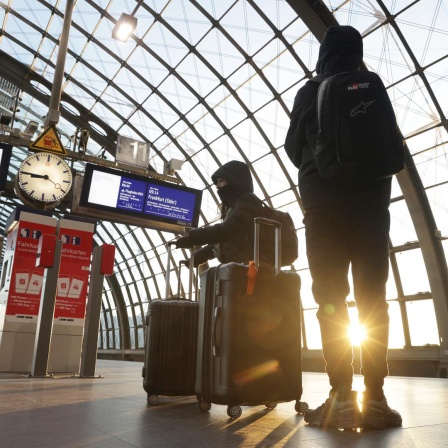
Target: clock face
44, 177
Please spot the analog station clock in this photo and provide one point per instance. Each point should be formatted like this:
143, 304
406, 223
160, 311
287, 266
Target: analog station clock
43, 180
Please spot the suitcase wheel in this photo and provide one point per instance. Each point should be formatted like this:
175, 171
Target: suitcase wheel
271, 405
204, 406
301, 407
234, 411
153, 399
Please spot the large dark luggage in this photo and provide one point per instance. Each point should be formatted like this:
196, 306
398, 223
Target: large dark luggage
249, 346
170, 344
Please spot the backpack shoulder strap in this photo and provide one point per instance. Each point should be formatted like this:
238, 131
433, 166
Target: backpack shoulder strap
250, 195
318, 78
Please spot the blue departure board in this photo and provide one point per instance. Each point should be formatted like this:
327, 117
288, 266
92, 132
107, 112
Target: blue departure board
127, 194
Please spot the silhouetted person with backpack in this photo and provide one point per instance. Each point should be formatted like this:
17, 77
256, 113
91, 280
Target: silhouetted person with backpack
231, 240
347, 222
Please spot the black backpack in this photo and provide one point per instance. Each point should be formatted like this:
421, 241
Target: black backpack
358, 141
289, 241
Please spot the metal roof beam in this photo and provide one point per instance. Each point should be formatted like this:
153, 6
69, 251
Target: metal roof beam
20, 75
315, 15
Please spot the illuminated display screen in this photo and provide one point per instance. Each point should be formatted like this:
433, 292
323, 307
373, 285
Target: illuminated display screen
133, 195
5, 157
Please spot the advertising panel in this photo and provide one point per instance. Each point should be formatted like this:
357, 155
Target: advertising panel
26, 279
74, 271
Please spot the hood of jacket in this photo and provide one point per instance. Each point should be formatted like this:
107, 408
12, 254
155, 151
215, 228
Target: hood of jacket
237, 174
341, 50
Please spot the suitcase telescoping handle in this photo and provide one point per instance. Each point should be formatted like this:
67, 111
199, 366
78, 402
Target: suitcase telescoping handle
191, 278
168, 268
278, 237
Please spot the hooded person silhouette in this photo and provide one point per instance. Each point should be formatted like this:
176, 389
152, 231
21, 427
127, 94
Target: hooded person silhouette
232, 240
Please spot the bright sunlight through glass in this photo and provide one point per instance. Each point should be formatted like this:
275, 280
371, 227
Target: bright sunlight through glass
356, 333
124, 32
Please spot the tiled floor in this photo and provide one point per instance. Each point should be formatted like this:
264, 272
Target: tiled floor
112, 412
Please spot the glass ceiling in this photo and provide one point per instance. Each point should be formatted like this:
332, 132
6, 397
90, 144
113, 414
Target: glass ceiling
209, 81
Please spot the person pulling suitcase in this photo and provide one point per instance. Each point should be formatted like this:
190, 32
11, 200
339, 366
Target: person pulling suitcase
232, 239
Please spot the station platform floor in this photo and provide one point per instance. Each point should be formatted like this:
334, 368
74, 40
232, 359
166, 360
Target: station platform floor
111, 411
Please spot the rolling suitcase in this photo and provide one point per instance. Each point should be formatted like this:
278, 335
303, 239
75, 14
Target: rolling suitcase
249, 345
170, 343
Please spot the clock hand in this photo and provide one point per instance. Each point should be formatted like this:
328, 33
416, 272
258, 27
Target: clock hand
57, 186
43, 176
37, 176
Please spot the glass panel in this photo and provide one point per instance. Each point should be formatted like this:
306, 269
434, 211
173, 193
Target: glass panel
38, 15
275, 181
139, 317
402, 229
213, 8
127, 275
119, 275
432, 165
220, 53
445, 247
132, 338
111, 339
437, 198
141, 338
396, 334
109, 319
437, 82
140, 285
147, 68
306, 292
252, 90
413, 272
413, 108
312, 329
287, 202
276, 62
154, 293
160, 279
431, 29
117, 343
111, 229
421, 316
165, 45
231, 112
205, 123
198, 77
133, 293
224, 150
302, 261
391, 287
269, 118
161, 110
235, 22
101, 340
187, 20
